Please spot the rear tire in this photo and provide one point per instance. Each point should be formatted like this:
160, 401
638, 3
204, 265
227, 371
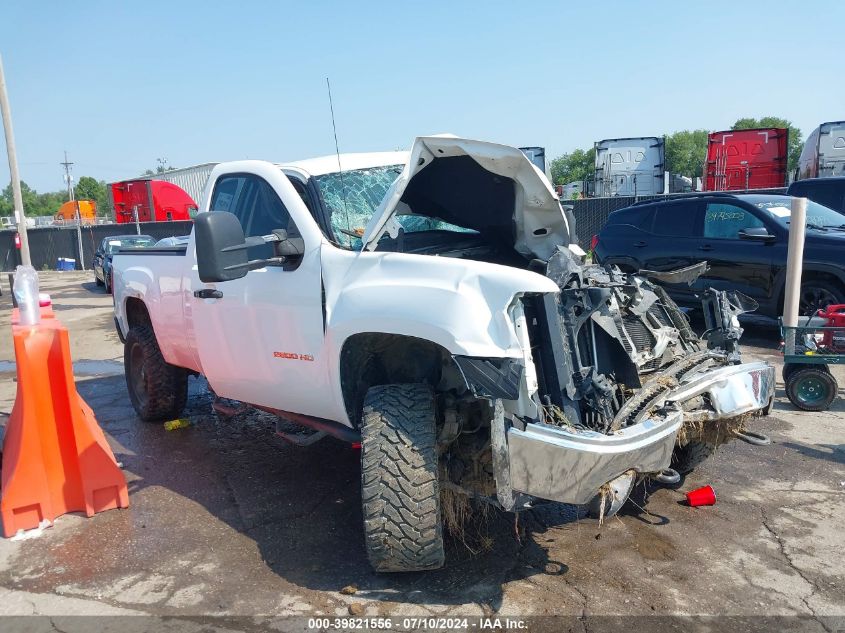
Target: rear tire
399, 487
818, 294
157, 389
811, 389
688, 457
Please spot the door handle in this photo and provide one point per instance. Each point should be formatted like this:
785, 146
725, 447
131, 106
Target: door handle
706, 247
640, 244
208, 293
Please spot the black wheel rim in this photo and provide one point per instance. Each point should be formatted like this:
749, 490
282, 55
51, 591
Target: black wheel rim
813, 299
137, 376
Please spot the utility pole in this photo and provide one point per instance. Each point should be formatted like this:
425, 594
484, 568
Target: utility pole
69, 180
20, 216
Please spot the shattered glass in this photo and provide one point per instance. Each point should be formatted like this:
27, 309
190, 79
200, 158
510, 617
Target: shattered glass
352, 198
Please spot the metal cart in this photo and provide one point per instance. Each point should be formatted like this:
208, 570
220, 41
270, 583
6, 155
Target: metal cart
808, 351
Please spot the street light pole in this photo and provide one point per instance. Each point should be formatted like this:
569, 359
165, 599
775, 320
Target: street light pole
20, 215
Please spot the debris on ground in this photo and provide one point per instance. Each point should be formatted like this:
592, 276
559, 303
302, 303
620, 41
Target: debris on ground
356, 609
714, 432
179, 423
349, 590
704, 496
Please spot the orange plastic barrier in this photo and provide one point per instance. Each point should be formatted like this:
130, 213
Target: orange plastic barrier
55, 457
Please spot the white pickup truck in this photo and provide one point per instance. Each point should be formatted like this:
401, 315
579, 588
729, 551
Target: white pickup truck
432, 305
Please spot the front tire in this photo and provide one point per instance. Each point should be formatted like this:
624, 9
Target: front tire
688, 457
399, 487
157, 389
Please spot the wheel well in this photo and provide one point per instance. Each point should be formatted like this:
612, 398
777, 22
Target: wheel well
370, 359
812, 275
136, 313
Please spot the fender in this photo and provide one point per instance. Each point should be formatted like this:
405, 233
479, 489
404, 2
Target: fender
161, 293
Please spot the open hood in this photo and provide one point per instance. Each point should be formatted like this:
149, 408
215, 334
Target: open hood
493, 189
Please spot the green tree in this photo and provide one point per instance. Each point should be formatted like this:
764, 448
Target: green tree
796, 142
160, 169
577, 165
49, 203
34, 203
30, 199
686, 151
92, 189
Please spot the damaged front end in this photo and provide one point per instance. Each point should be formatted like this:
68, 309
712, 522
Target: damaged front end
622, 384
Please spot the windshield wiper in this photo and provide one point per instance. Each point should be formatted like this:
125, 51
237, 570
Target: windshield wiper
816, 227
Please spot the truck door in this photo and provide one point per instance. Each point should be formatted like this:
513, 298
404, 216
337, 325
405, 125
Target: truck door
672, 244
261, 341
735, 264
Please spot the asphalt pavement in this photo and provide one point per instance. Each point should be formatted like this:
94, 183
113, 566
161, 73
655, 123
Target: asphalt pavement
226, 520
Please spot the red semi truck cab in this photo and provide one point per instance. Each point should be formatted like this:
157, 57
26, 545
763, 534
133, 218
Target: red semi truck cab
746, 159
153, 200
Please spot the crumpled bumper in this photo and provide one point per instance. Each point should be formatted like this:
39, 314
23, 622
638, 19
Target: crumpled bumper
731, 391
570, 466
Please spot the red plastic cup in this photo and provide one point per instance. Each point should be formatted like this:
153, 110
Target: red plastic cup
704, 496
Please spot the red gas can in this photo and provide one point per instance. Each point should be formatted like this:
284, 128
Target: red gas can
834, 339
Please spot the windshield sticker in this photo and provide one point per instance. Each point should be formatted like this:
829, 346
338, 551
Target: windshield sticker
781, 212
223, 201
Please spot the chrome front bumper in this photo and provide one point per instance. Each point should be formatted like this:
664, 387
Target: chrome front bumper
732, 390
571, 466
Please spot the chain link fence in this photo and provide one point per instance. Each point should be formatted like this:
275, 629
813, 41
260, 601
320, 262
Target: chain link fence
48, 244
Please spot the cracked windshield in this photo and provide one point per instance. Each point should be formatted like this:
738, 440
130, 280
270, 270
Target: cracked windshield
353, 196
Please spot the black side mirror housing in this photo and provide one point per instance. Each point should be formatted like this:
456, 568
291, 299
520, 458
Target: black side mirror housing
215, 235
756, 234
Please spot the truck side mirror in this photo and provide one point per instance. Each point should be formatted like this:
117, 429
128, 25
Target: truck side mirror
221, 247
756, 234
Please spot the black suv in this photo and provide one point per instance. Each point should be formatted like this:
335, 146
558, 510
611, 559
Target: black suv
743, 237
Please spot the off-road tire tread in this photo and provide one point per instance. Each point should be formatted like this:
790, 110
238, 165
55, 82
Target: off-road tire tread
399, 487
166, 384
688, 457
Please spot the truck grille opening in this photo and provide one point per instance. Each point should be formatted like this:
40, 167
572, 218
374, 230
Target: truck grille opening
636, 329
642, 338
658, 312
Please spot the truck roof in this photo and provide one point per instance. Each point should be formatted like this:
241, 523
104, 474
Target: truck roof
358, 160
